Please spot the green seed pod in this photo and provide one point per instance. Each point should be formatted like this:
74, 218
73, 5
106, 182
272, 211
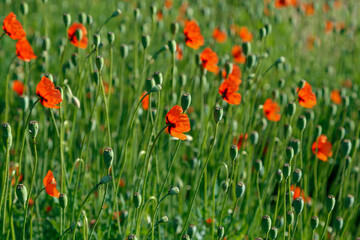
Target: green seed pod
172, 46
273, 233
33, 129
182, 79
298, 205
124, 50
228, 68
21, 193
279, 176
158, 77
250, 60
89, 20
349, 201
295, 144
96, 40
340, 133
233, 152
79, 34
156, 88
258, 165
105, 179
46, 44
330, 203
266, 223
338, 223
108, 156
191, 230
67, 19
218, 114
220, 232
246, 47
149, 84
301, 123
145, 41
137, 199
287, 130
6, 134
289, 153
82, 18
132, 237
163, 219
240, 189
318, 131
254, 137
63, 200
99, 62
346, 147
314, 222
174, 28
185, 237
289, 217
262, 33
296, 176
268, 28
24, 8
173, 191
116, 13
185, 101
286, 170
290, 109
111, 37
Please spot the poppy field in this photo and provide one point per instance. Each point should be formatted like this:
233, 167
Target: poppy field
179, 119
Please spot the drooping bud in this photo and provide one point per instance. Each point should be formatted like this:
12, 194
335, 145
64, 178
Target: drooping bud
182, 80
158, 77
228, 68
250, 60
96, 40
286, 170
82, 17
137, 199
89, 20
63, 200
21, 193
295, 144
225, 185
116, 13
145, 41
349, 201
254, 137
6, 135
339, 223
262, 33
33, 128
79, 34
75, 101
174, 28
172, 46
108, 156
346, 147
218, 114
156, 88
246, 47
137, 14
111, 37
287, 130
318, 131
24, 8
340, 133
240, 189
289, 217
124, 50
289, 153
301, 123
258, 165
173, 190
273, 233
279, 176
268, 28
185, 101
290, 109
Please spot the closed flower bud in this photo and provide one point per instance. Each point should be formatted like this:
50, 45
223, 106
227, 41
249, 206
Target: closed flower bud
63, 200
111, 37
349, 201
89, 20
314, 222
21, 194
74, 59
340, 133
185, 101
296, 176
246, 47
254, 137
156, 88
289, 153
49, 76
290, 109
182, 80
149, 84
301, 123
281, 83
95, 76
191, 230
24, 102
145, 41
137, 199
309, 114
108, 156
225, 185
268, 28
185, 237
163, 219
99, 62
318, 131
266, 223
105, 179
301, 83
279, 176
75, 101
233, 152
240, 189
289, 217
287, 130
153, 10
346, 147
158, 77
218, 114
6, 134
67, 19
173, 190
137, 14
96, 40
82, 17
250, 60
172, 46
263, 124
258, 165
116, 13
262, 33
330, 203
295, 144
132, 237
24, 8
33, 128
286, 170
273, 233
46, 44
220, 232
174, 28
338, 223
228, 68
124, 50
79, 34
298, 205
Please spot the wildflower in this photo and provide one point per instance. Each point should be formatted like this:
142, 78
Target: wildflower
24, 50
209, 221
241, 142
177, 122
228, 91
309, 9
48, 94
335, 96
298, 192
235, 74
193, 37
18, 87
179, 52
306, 97
219, 35
159, 16
245, 34
50, 185
322, 148
145, 101
271, 110
238, 54
13, 27
209, 60
83, 41
329, 26
168, 4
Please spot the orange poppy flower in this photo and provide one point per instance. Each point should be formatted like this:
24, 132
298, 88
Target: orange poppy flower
145, 101
83, 42
234, 29
209, 221
13, 177
18, 87
326, 7
159, 15
193, 37
13, 27
228, 91
245, 34
298, 192
48, 94
238, 55
168, 4
322, 148
329, 26
309, 9
306, 97
235, 74
271, 110
241, 141
177, 122
219, 36
282, 3
24, 50
335, 96
209, 59
50, 185
179, 52
340, 26
337, 4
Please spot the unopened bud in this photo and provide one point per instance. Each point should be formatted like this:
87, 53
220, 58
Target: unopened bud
173, 191
24, 8
108, 156
172, 46
158, 77
67, 19
330, 203
21, 194
233, 152
145, 41
105, 179
298, 205
33, 128
296, 176
218, 114
149, 84
286, 170
266, 223
124, 50
99, 62
63, 200
301, 123
289, 217
314, 222
220, 232
240, 189
185, 101
137, 199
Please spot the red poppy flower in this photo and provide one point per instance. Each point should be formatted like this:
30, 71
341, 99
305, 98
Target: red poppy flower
271, 110
48, 94
209, 221
179, 52
308, 8
306, 97
335, 96
168, 4
145, 101
177, 122
282, 3
209, 59
298, 192
219, 36
322, 148
18, 87
228, 91
238, 55
83, 42
193, 37
241, 141
245, 34
329, 26
159, 15
50, 185
13, 27
24, 50
235, 74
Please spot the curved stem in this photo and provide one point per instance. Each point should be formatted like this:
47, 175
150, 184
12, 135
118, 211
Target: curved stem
98, 217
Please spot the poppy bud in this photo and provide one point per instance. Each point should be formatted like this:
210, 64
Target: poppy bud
137, 14
349, 201
185, 101
296, 176
96, 40
191, 230
75, 101
164, 219
233, 152
258, 165
281, 83
318, 130
301, 83
346, 101
82, 17
298, 205
24, 8
182, 79
333, 109
99, 62
309, 114
172, 46
290, 109
287, 130
173, 190
45, 44
228, 68
197, 59
105, 179
6, 135
174, 28
111, 37
330, 203
225, 185
21, 193
67, 19
79, 34
218, 114
63, 200
158, 77
340, 133
314, 222
279, 176
156, 88
89, 20
33, 128
263, 124
74, 59
266, 223
185, 237
286, 170
145, 41
301, 123
254, 137
268, 28
346, 147
137, 199
295, 144
49, 76
289, 217
116, 13
240, 189
250, 60
153, 10
289, 153
108, 156
262, 33
220, 232
132, 237
95, 76
273, 233
246, 47
149, 84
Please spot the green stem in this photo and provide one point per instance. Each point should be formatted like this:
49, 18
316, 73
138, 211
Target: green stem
99, 214
326, 224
